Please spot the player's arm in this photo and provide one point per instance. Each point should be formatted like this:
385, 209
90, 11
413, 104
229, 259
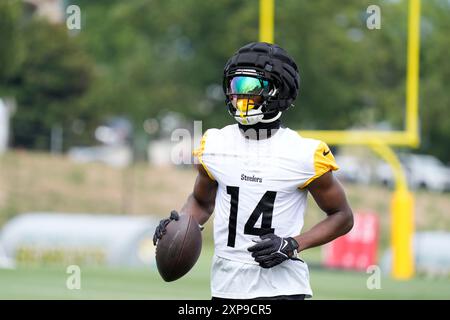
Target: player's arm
199, 204
330, 197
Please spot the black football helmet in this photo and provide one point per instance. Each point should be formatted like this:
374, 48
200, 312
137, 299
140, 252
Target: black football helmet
260, 82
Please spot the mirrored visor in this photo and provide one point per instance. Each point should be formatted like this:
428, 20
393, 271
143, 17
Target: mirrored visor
248, 85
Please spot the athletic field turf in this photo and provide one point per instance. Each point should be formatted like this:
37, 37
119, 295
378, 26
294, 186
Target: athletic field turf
50, 283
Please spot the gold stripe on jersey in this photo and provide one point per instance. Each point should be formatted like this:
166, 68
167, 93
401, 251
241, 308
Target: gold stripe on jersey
323, 162
199, 154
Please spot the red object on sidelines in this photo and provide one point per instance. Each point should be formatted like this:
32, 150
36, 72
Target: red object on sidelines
356, 250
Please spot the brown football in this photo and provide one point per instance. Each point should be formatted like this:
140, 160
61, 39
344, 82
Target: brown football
179, 248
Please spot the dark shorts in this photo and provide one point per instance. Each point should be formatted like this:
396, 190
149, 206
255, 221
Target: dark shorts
289, 297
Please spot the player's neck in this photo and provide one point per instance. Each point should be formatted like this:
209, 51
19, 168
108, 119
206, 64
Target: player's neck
260, 131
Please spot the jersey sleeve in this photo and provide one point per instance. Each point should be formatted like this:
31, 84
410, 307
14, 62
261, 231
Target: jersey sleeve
198, 153
323, 161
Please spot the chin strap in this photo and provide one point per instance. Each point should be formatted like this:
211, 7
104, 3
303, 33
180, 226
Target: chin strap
271, 119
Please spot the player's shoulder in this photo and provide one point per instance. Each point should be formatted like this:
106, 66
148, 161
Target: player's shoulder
301, 144
310, 153
229, 129
314, 156
221, 133
214, 139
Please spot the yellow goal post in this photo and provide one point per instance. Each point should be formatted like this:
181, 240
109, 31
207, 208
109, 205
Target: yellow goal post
402, 203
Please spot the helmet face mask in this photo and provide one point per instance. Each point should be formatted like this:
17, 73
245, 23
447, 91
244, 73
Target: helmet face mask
260, 82
248, 110
247, 95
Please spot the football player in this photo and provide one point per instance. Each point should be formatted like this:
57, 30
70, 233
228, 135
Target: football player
255, 176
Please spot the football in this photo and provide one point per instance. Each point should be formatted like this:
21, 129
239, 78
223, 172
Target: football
179, 248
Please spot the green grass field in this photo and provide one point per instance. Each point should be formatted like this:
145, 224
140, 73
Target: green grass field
40, 182
50, 283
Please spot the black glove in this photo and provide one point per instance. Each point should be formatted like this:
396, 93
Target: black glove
161, 228
273, 250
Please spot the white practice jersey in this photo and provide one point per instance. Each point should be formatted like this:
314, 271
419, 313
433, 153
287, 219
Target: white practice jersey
261, 189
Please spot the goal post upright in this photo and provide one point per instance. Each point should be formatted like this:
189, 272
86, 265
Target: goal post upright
381, 142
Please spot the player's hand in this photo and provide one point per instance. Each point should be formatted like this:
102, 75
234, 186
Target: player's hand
273, 250
161, 228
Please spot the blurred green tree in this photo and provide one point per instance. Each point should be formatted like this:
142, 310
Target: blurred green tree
11, 42
152, 57
435, 79
50, 84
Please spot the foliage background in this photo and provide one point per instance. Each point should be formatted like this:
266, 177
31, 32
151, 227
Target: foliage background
144, 58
